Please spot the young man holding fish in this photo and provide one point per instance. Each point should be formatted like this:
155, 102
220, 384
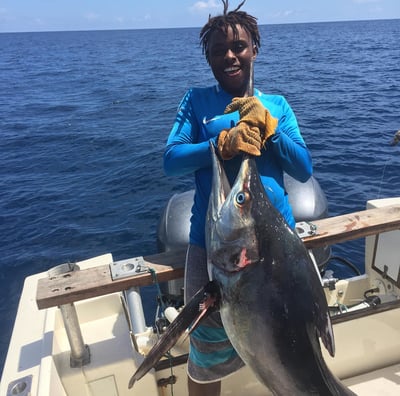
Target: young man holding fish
236, 119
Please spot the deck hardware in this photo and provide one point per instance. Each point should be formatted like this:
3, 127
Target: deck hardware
385, 272
305, 229
329, 281
384, 262
135, 310
163, 382
127, 268
20, 387
80, 353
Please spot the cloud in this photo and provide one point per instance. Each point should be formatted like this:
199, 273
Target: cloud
287, 13
120, 20
38, 21
91, 16
366, 1
4, 14
283, 14
204, 6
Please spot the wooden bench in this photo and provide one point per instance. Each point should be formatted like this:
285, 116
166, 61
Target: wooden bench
87, 283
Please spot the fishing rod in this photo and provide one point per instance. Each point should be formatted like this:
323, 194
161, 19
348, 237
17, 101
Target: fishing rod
250, 85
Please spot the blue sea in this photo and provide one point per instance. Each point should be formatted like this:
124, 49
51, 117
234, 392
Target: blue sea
84, 117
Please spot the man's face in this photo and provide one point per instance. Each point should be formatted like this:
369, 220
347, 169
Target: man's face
230, 59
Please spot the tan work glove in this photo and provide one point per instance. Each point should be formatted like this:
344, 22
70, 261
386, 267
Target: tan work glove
253, 113
242, 137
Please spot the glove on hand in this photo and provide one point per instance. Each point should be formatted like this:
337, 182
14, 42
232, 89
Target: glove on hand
253, 113
242, 137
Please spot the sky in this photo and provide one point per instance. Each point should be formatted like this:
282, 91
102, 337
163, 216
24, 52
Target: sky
53, 15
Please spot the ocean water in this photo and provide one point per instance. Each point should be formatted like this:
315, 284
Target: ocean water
84, 117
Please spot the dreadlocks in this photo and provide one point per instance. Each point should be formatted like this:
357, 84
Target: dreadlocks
230, 19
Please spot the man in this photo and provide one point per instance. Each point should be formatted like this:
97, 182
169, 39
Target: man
236, 120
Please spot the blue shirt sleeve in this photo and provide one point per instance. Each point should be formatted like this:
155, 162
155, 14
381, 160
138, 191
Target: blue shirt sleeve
184, 154
295, 159
287, 143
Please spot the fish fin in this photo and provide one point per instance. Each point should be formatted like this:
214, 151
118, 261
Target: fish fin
186, 317
209, 304
326, 334
322, 318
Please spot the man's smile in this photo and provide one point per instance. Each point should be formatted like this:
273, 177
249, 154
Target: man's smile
232, 70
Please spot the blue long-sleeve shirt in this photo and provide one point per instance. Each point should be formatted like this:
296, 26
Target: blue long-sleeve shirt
200, 119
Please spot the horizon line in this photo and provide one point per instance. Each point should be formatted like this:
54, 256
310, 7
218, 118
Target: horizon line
191, 27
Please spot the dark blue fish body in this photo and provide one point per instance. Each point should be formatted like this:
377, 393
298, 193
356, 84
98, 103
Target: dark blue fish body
269, 291
272, 302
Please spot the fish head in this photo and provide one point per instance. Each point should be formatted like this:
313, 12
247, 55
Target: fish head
231, 232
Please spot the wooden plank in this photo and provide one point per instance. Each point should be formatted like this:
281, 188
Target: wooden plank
355, 225
97, 281
93, 282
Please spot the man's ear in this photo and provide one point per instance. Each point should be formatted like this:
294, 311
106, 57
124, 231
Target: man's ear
254, 52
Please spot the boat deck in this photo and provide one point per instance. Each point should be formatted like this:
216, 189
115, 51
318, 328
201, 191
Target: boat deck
38, 362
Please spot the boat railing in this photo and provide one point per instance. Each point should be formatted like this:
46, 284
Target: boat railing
62, 289
74, 286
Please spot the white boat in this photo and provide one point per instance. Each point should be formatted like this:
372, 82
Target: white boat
83, 332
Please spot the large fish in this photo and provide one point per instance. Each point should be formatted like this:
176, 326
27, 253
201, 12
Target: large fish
272, 302
269, 291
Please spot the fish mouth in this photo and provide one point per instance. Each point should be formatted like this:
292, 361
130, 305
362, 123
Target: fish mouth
220, 186
221, 190
230, 233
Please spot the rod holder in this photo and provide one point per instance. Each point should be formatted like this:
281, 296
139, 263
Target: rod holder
80, 352
135, 309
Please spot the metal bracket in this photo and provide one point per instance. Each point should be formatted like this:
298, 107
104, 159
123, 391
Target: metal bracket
164, 382
127, 268
20, 387
305, 229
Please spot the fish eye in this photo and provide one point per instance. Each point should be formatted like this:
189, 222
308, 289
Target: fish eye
241, 197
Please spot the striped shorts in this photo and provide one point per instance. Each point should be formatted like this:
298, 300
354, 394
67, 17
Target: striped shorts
211, 355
